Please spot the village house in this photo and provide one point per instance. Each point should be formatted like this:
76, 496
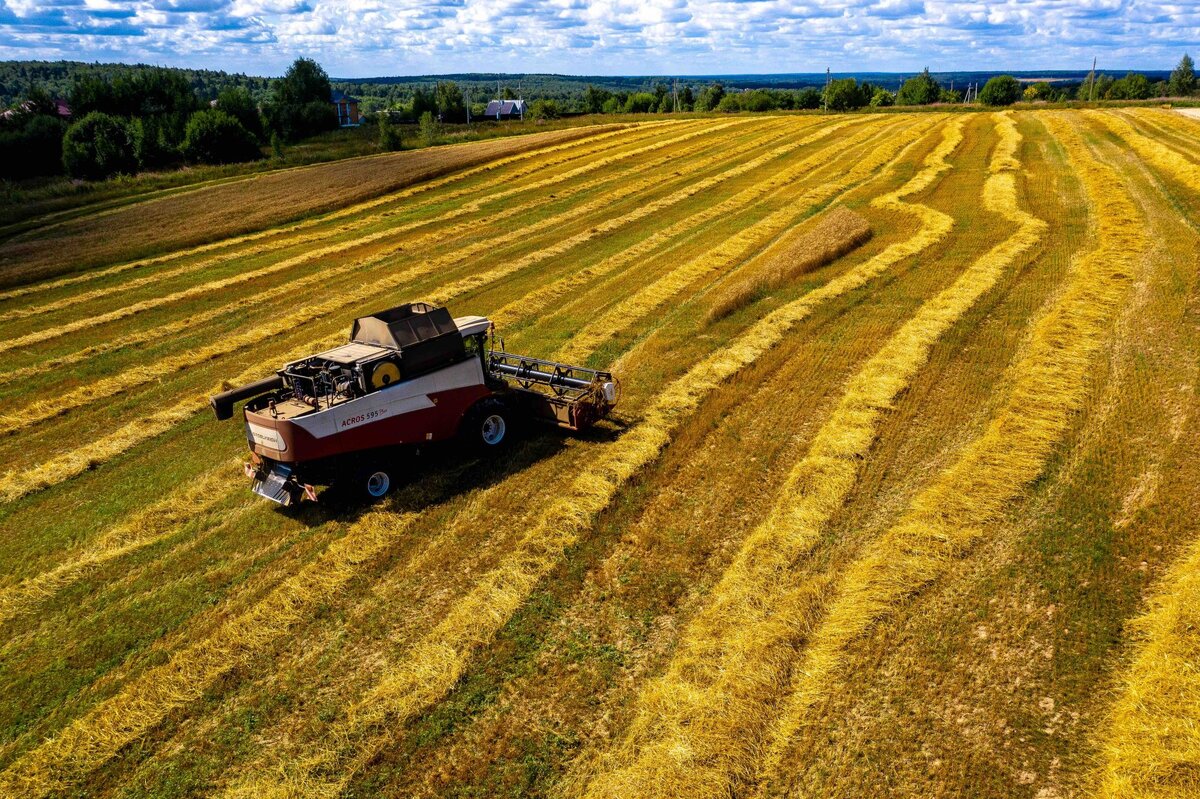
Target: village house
346, 107
505, 109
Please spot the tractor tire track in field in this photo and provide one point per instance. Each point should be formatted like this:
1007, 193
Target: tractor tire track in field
310, 256
1049, 384
698, 727
437, 659
13, 485
573, 152
324, 219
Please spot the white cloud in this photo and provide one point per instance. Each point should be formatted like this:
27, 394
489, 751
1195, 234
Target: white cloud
376, 37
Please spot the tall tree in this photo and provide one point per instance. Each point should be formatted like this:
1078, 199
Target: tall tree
300, 101
1183, 78
919, 90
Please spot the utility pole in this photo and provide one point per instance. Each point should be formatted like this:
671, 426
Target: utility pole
1092, 87
467, 103
825, 94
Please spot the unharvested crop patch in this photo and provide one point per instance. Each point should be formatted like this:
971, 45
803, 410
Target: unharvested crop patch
728, 262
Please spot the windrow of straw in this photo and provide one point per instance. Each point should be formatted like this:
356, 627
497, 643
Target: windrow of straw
1170, 163
142, 528
437, 660
699, 727
293, 286
324, 219
1152, 742
142, 704
574, 151
732, 250
543, 297
311, 256
1048, 386
41, 410
835, 234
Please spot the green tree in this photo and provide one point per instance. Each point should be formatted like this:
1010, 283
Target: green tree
1000, 90
98, 146
31, 145
237, 102
1183, 78
613, 105
919, 90
710, 97
300, 102
808, 98
216, 137
1039, 91
449, 100
882, 98
594, 99
389, 134
845, 94
687, 99
1133, 86
949, 96
640, 103
730, 104
428, 129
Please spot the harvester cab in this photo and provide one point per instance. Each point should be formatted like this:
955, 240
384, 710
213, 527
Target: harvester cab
409, 376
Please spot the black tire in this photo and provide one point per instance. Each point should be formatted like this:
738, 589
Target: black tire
490, 426
373, 483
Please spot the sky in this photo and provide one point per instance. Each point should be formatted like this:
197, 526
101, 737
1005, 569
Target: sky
361, 38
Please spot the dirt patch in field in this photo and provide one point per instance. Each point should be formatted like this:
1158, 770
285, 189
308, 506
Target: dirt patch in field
229, 209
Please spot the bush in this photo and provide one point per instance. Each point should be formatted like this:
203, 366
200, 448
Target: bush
215, 137
543, 109
31, 145
729, 104
640, 103
919, 90
1038, 92
1000, 90
389, 134
98, 146
882, 99
710, 97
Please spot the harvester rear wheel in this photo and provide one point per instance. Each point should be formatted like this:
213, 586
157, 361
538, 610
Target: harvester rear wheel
374, 483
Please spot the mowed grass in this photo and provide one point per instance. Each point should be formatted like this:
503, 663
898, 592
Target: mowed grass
920, 483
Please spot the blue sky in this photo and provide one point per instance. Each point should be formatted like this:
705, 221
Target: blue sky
393, 37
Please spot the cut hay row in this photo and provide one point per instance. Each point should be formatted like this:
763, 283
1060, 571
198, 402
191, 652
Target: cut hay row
835, 234
1151, 741
1178, 131
321, 278
17, 483
1048, 386
92, 739
437, 182
314, 255
41, 410
545, 296
575, 150
1168, 162
698, 727
140, 529
732, 250
438, 659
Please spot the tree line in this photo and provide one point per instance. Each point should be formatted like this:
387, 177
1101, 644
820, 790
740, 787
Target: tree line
155, 119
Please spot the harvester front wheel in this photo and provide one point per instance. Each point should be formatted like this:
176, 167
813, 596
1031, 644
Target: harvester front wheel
489, 426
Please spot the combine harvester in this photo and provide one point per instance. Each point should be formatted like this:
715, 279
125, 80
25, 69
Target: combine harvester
410, 376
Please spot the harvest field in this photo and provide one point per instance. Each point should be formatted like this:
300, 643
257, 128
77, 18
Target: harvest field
900, 499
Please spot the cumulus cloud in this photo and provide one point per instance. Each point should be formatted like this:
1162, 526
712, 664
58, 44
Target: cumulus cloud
376, 37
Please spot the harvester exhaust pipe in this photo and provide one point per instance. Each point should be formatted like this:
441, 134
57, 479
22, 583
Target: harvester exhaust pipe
222, 404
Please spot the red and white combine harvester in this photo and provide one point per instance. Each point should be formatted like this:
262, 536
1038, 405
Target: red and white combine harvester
410, 376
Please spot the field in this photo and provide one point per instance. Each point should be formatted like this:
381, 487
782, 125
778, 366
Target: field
900, 498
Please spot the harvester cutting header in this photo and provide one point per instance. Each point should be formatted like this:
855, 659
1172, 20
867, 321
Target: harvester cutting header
410, 375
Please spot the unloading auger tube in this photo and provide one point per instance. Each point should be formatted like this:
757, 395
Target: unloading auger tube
409, 376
